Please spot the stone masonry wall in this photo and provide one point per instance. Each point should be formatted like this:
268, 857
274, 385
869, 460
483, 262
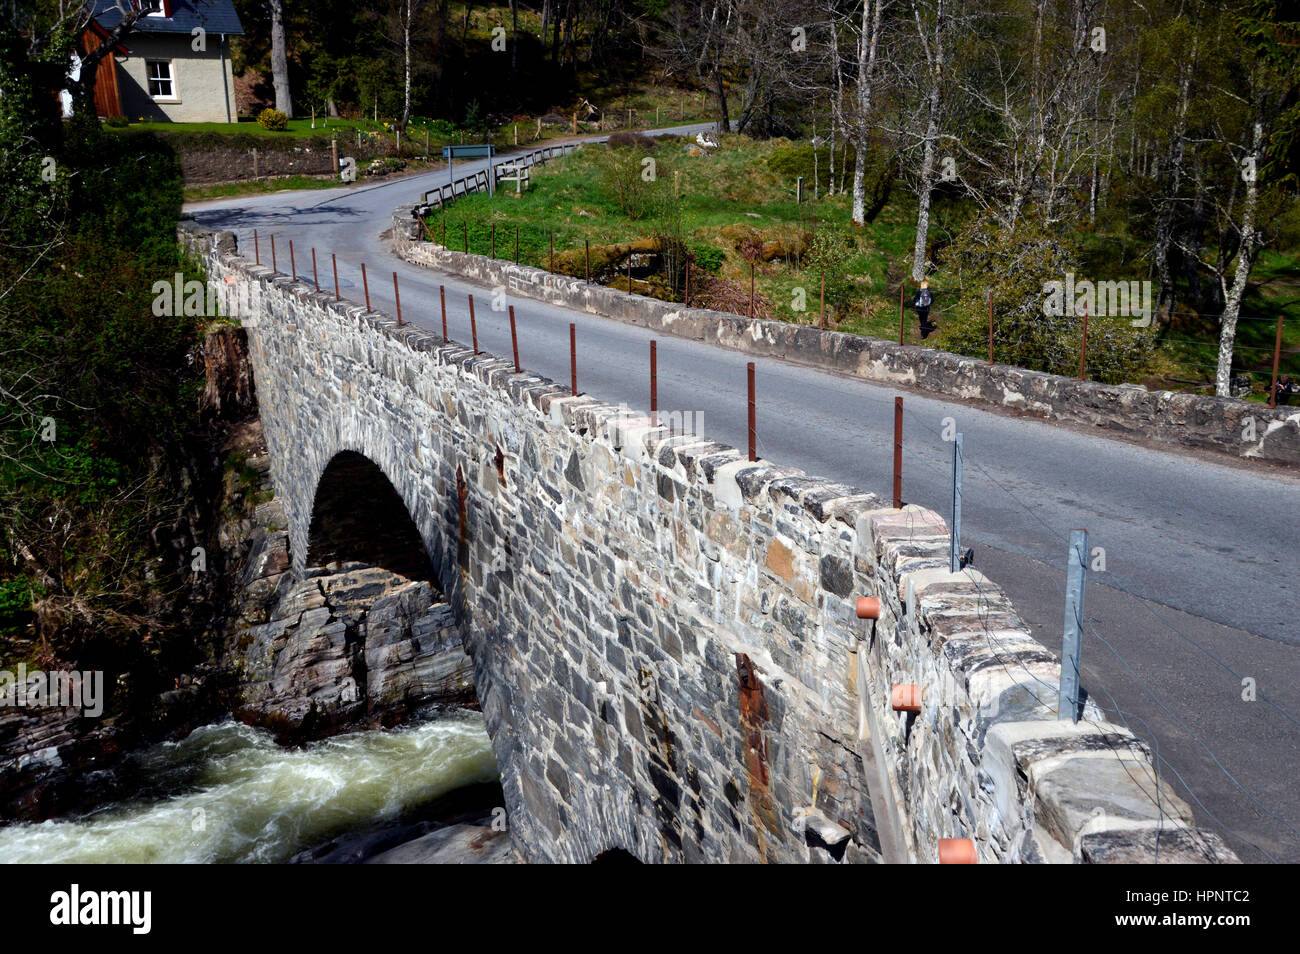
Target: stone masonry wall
663, 633
1193, 420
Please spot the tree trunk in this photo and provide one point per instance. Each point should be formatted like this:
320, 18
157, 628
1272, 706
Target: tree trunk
926, 188
1165, 221
866, 67
280, 59
1245, 260
406, 58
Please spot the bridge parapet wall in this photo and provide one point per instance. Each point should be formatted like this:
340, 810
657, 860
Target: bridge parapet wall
1229, 426
664, 634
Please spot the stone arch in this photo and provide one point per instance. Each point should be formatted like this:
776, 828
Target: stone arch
358, 515
409, 516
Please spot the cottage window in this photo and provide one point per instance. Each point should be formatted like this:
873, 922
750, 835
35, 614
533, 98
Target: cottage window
161, 82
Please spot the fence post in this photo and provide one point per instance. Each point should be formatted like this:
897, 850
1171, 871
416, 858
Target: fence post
902, 290
365, 284
573, 358
954, 558
442, 297
1083, 346
473, 324
257, 249
334, 261
990, 326
898, 453
821, 304
315, 276
654, 381
514, 338
753, 426
1277, 355
397, 297
274, 266
293, 265
1067, 702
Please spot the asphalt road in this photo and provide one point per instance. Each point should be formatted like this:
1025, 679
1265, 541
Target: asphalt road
1199, 590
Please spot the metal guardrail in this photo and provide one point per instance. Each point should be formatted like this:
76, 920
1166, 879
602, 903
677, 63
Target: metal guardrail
479, 181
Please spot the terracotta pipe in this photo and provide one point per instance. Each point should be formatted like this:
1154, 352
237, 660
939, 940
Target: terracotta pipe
957, 851
906, 697
868, 607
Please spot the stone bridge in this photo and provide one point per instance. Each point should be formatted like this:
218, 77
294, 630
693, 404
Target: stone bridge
663, 634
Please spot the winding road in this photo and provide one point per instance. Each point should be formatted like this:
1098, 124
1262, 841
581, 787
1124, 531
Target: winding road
1199, 591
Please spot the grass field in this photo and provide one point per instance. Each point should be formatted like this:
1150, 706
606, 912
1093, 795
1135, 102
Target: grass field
743, 197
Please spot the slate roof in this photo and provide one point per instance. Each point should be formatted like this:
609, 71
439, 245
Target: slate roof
215, 16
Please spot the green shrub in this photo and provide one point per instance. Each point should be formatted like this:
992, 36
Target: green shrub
273, 120
707, 257
1016, 267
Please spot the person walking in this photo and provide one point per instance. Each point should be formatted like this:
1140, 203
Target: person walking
922, 305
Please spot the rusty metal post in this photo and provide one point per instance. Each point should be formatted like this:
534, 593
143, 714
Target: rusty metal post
442, 296
898, 453
257, 249
1277, 357
334, 261
990, 326
1083, 346
751, 291
293, 265
473, 324
315, 275
586, 244
397, 297
365, 284
902, 290
821, 304
274, 266
654, 381
573, 357
514, 339
753, 426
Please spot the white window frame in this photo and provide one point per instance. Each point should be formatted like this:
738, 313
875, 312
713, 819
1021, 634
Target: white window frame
170, 79
160, 12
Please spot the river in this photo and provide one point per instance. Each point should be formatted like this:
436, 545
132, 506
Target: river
229, 793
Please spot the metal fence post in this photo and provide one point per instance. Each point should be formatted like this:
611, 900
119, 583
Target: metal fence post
442, 297
366, 284
753, 426
473, 324
573, 357
654, 381
954, 558
514, 339
257, 249
315, 276
397, 297
898, 453
293, 265
334, 262
1067, 704
1277, 355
